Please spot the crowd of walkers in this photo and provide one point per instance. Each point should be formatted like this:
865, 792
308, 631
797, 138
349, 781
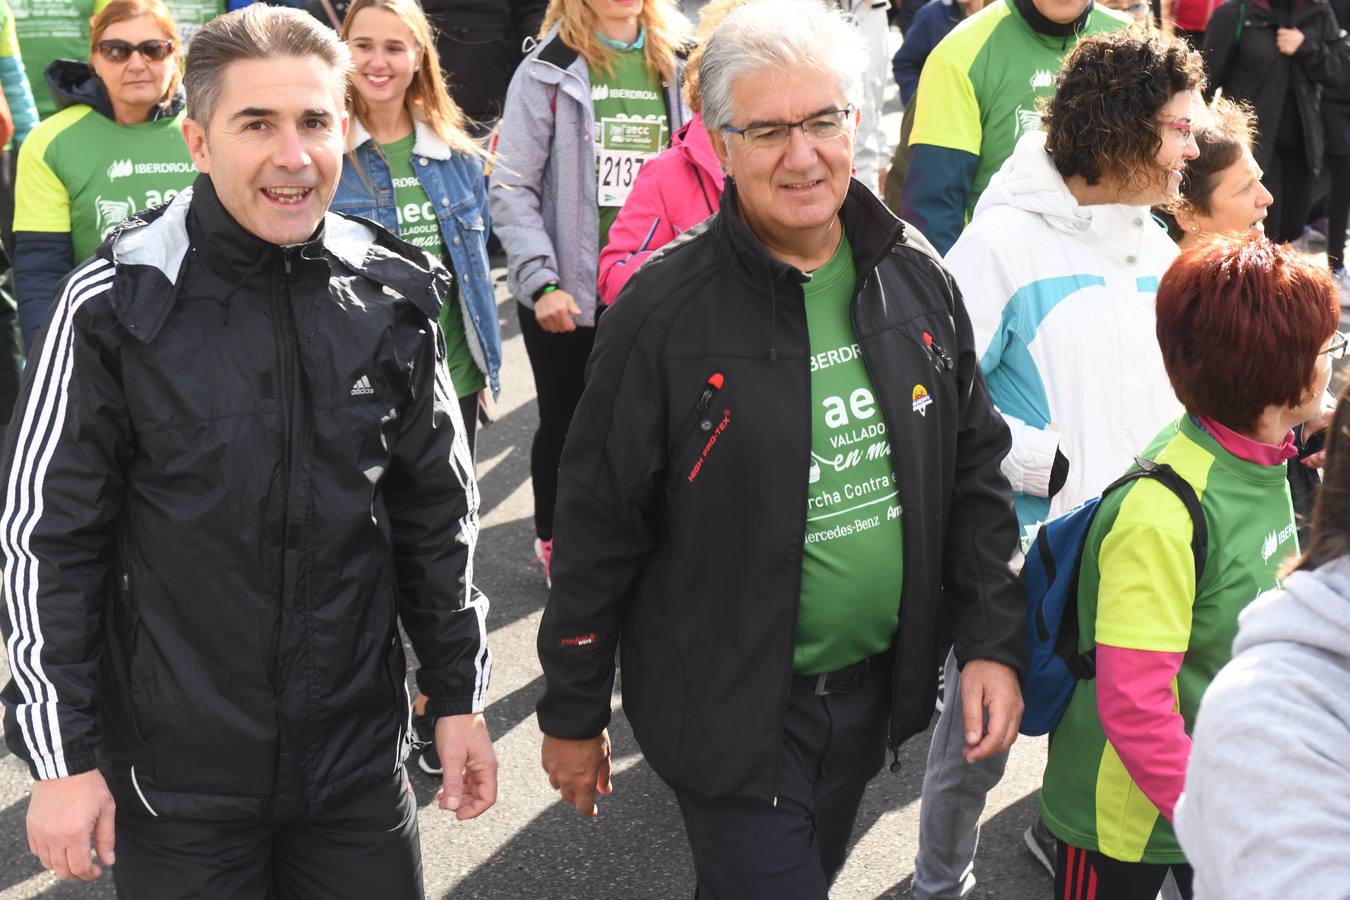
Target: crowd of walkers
803, 416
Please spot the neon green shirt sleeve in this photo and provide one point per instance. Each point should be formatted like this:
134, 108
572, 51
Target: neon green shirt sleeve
1147, 586
41, 201
946, 111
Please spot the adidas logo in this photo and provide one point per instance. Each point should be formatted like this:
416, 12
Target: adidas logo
362, 387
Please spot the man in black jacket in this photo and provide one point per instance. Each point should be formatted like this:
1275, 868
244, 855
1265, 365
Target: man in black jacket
779, 490
237, 464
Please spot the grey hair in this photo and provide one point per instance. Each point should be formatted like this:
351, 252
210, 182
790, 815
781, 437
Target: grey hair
257, 31
779, 34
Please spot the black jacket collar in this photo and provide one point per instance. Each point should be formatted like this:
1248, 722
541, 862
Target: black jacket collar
1042, 25
872, 231
227, 249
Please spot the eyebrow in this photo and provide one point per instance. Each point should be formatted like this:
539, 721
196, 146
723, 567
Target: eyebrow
258, 112
820, 112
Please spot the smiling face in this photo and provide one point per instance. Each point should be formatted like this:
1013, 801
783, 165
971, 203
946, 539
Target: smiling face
790, 195
385, 55
1177, 146
135, 82
273, 147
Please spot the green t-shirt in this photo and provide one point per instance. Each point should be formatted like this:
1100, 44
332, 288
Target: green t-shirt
48, 30
981, 86
191, 15
631, 127
81, 173
1137, 590
418, 225
853, 562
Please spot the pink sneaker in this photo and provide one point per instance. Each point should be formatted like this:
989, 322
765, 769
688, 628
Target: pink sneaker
543, 554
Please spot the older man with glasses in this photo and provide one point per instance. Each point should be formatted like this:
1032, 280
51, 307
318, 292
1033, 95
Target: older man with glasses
780, 488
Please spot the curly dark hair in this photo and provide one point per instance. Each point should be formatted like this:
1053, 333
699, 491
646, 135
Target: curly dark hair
1100, 122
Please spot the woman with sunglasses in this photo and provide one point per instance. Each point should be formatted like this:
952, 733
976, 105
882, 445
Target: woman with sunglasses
595, 100
1247, 333
115, 148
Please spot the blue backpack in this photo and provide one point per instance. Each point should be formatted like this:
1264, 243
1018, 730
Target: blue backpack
1050, 576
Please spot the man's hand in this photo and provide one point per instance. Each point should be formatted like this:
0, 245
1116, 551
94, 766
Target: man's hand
469, 781
63, 814
992, 686
1288, 40
554, 312
579, 769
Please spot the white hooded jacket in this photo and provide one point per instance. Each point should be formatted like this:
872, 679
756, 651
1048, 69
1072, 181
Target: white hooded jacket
1061, 299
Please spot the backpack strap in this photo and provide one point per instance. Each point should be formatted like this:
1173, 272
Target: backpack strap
1083, 666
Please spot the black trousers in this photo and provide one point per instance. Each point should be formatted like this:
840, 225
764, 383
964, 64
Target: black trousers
793, 849
1087, 875
1291, 184
363, 847
558, 362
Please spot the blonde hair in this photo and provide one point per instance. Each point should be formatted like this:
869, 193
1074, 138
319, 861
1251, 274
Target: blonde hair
125, 10
709, 17
426, 98
667, 32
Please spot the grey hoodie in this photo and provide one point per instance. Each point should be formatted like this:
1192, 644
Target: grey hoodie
1266, 812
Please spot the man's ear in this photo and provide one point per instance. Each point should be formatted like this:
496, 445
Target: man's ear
719, 147
194, 135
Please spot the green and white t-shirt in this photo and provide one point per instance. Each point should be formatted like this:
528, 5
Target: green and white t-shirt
82, 173
418, 225
191, 15
48, 30
853, 563
1137, 590
631, 127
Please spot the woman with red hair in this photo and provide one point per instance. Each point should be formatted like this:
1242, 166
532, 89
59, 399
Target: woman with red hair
1248, 332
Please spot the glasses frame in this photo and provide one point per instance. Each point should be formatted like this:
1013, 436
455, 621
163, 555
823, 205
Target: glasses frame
1184, 126
109, 49
1340, 344
745, 133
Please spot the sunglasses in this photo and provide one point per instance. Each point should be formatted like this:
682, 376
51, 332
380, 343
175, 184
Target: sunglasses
120, 51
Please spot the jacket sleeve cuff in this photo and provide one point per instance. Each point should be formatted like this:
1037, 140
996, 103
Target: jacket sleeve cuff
530, 284
75, 765
439, 707
1031, 462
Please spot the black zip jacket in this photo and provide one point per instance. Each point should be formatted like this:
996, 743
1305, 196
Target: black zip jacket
233, 469
43, 258
1241, 57
681, 523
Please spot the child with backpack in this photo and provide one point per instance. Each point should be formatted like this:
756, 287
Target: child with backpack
1247, 331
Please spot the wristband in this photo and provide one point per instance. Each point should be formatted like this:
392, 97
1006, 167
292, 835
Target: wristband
546, 289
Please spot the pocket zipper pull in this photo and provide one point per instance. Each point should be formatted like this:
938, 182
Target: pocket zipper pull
715, 382
942, 359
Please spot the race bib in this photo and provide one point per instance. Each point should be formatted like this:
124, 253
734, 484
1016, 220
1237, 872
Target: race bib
625, 144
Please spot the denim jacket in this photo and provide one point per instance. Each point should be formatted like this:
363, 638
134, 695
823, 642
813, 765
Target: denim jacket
455, 186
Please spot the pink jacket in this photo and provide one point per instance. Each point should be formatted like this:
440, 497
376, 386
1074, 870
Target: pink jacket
674, 192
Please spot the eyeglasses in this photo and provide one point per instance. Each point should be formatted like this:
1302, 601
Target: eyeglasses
1181, 125
826, 126
1338, 347
120, 51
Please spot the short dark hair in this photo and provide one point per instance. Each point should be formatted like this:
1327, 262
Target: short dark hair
257, 31
1240, 322
1100, 121
1224, 136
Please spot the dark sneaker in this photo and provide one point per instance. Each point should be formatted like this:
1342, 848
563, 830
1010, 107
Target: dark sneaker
425, 750
1041, 843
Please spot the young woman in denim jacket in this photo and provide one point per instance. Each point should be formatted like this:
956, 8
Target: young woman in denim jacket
413, 168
